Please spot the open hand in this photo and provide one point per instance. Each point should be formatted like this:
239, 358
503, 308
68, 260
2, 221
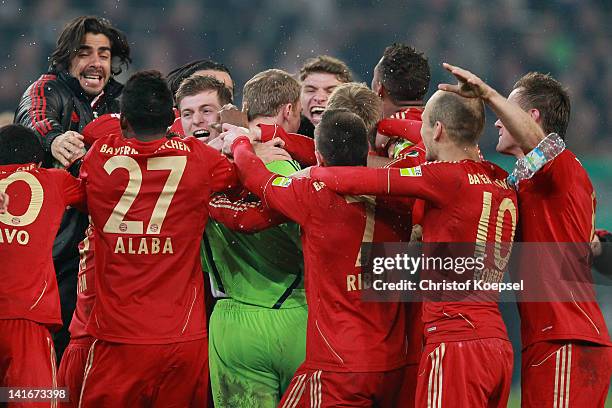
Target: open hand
271, 151
230, 134
68, 147
469, 86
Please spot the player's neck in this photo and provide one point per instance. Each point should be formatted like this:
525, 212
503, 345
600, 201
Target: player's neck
458, 153
265, 120
390, 108
144, 138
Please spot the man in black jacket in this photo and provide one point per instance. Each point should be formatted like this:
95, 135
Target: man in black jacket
78, 87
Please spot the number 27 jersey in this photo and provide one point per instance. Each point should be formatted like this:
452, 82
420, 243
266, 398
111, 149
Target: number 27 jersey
148, 205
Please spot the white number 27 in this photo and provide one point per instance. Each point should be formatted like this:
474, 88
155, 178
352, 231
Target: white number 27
116, 223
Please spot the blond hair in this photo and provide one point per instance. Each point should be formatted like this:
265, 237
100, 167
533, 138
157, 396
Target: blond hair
359, 99
267, 92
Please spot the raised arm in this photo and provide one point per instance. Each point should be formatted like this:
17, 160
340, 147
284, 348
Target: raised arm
519, 123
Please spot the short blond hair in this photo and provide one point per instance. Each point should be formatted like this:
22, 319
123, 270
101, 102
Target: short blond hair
268, 91
359, 99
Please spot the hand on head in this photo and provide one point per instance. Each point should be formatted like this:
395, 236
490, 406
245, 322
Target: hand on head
469, 86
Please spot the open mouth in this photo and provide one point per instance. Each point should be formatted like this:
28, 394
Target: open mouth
201, 133
92, 79
316, 112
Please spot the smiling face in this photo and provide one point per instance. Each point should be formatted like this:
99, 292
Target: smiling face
316, 88
199, 111
91, 65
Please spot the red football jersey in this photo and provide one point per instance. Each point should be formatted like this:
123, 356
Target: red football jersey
301, 148
466, 201
86, 289
558, 205
38, 199
343, 332
149, 207
101, 126
405, 123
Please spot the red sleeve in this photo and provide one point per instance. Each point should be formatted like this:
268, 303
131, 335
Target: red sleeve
405, 128
223, 175
104, 125
242, 215
72, 189
301, 148
427, 181
282, 194
418, 211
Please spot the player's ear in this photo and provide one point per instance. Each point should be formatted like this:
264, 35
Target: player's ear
535, 114
320, 160
438, 129
381, 90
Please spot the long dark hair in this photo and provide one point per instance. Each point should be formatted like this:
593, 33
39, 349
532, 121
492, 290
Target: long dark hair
70, 40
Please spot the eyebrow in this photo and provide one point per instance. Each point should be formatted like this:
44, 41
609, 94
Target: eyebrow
206, 105
89, 47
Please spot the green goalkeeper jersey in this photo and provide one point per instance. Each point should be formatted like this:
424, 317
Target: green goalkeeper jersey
264, 269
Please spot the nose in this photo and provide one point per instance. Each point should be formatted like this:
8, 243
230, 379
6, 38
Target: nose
95, 61
498, 124
198, 117
320, 97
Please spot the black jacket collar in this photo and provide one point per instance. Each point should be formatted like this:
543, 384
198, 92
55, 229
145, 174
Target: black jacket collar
111, 91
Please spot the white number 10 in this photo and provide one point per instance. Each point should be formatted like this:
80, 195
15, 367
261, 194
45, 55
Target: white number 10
116, 223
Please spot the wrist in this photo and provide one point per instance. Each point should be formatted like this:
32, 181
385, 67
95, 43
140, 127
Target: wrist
240, 140
490, 94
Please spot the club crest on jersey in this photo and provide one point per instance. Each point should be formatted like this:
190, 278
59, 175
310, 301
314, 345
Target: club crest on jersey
281, 182
411, 172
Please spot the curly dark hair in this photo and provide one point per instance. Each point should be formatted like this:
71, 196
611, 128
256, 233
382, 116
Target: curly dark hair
19, 145
147, 103
404, 73
70, 40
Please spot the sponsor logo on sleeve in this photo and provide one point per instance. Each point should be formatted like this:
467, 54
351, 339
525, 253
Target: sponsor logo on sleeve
411, 172
281, 182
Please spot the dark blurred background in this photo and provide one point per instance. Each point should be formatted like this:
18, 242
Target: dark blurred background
498, 40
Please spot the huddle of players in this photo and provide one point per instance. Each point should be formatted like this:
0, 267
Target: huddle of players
141, 339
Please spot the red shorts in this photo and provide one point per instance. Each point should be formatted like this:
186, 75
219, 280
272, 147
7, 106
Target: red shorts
562, 374
319, 389
145, 375
472, 373
72, 368
27, 357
